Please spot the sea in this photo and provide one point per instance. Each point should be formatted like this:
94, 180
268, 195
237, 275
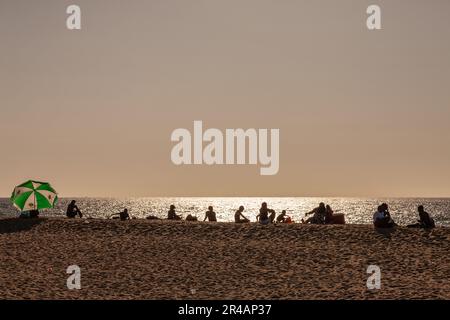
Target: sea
356, 210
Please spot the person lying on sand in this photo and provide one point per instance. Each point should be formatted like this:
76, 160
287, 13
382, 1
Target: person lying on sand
73, 211
121, 215
210, 215
425, 220
263, 216
239, 217
318, 215
382, 217
152, 217
172, 215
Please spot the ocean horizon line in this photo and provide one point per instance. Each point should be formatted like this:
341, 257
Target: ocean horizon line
268, 197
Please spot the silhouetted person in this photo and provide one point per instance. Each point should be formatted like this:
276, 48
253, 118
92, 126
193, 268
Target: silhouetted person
282, 217
382, 217
425, 220
328, 215
152, 217
172, 215
121, 215
263, 216
378, 217
318, 215
239, 217
385, 208
73, 211
210, 215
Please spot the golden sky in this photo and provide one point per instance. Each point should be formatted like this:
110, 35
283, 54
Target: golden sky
360, 113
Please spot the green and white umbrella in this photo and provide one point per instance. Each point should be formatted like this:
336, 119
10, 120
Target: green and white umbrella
34, 195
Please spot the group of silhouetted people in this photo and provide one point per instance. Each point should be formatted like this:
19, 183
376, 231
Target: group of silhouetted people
382, 218
73, 211
265, 215
323, 214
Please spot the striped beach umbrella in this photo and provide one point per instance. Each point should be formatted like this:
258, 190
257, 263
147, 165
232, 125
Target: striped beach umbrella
34, 195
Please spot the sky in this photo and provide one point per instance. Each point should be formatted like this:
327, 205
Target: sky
360, 113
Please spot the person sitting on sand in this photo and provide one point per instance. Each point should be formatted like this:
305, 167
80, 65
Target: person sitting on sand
328, 215
73, 211
172, 215
282, 217
210, 215
382, 217
121, 215
385, 209
263, 216
425, 220
318, 215
378, 217
239, 217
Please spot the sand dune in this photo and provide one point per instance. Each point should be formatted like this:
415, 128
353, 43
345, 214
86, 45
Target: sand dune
142, 259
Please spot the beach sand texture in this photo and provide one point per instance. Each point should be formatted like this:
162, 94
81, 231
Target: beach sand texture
142, 259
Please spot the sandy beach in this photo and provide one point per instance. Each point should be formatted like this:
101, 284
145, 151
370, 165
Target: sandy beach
142, 259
